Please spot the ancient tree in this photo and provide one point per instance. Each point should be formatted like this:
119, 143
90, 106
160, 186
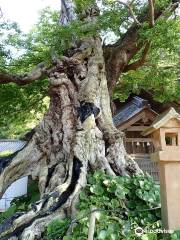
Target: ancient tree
77, 134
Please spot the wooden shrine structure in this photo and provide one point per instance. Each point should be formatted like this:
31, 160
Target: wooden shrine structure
134, 118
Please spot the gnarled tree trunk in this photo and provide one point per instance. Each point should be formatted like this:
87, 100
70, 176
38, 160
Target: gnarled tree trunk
76, 134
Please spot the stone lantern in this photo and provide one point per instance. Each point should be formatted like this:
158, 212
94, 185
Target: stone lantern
165, 132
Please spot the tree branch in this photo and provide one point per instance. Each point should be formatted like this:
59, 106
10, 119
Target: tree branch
151, 4
118, 55
67, 13
23, 79
131, 11
140, 62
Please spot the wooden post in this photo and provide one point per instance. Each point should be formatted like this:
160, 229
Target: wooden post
92, 224
167, 154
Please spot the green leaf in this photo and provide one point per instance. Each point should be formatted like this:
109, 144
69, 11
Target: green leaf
102, 234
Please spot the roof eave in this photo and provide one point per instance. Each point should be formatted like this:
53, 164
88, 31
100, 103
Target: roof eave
171, 114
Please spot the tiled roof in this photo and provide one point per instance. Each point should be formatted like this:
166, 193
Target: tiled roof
129, 110
11, 145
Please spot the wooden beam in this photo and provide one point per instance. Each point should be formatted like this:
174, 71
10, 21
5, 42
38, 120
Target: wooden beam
136, 128
144, 113
131, 121
138, 140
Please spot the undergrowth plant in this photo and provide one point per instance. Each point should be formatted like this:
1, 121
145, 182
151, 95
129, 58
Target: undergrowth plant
122, 205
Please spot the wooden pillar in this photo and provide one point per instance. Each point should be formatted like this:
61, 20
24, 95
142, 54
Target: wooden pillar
166, 137
170, 190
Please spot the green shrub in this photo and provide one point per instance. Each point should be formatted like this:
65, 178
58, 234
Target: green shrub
8, 213
56, 229
123, 204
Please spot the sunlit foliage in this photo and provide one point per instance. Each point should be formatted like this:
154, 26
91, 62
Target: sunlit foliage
22, 107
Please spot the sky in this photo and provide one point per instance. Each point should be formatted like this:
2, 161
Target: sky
25, 12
